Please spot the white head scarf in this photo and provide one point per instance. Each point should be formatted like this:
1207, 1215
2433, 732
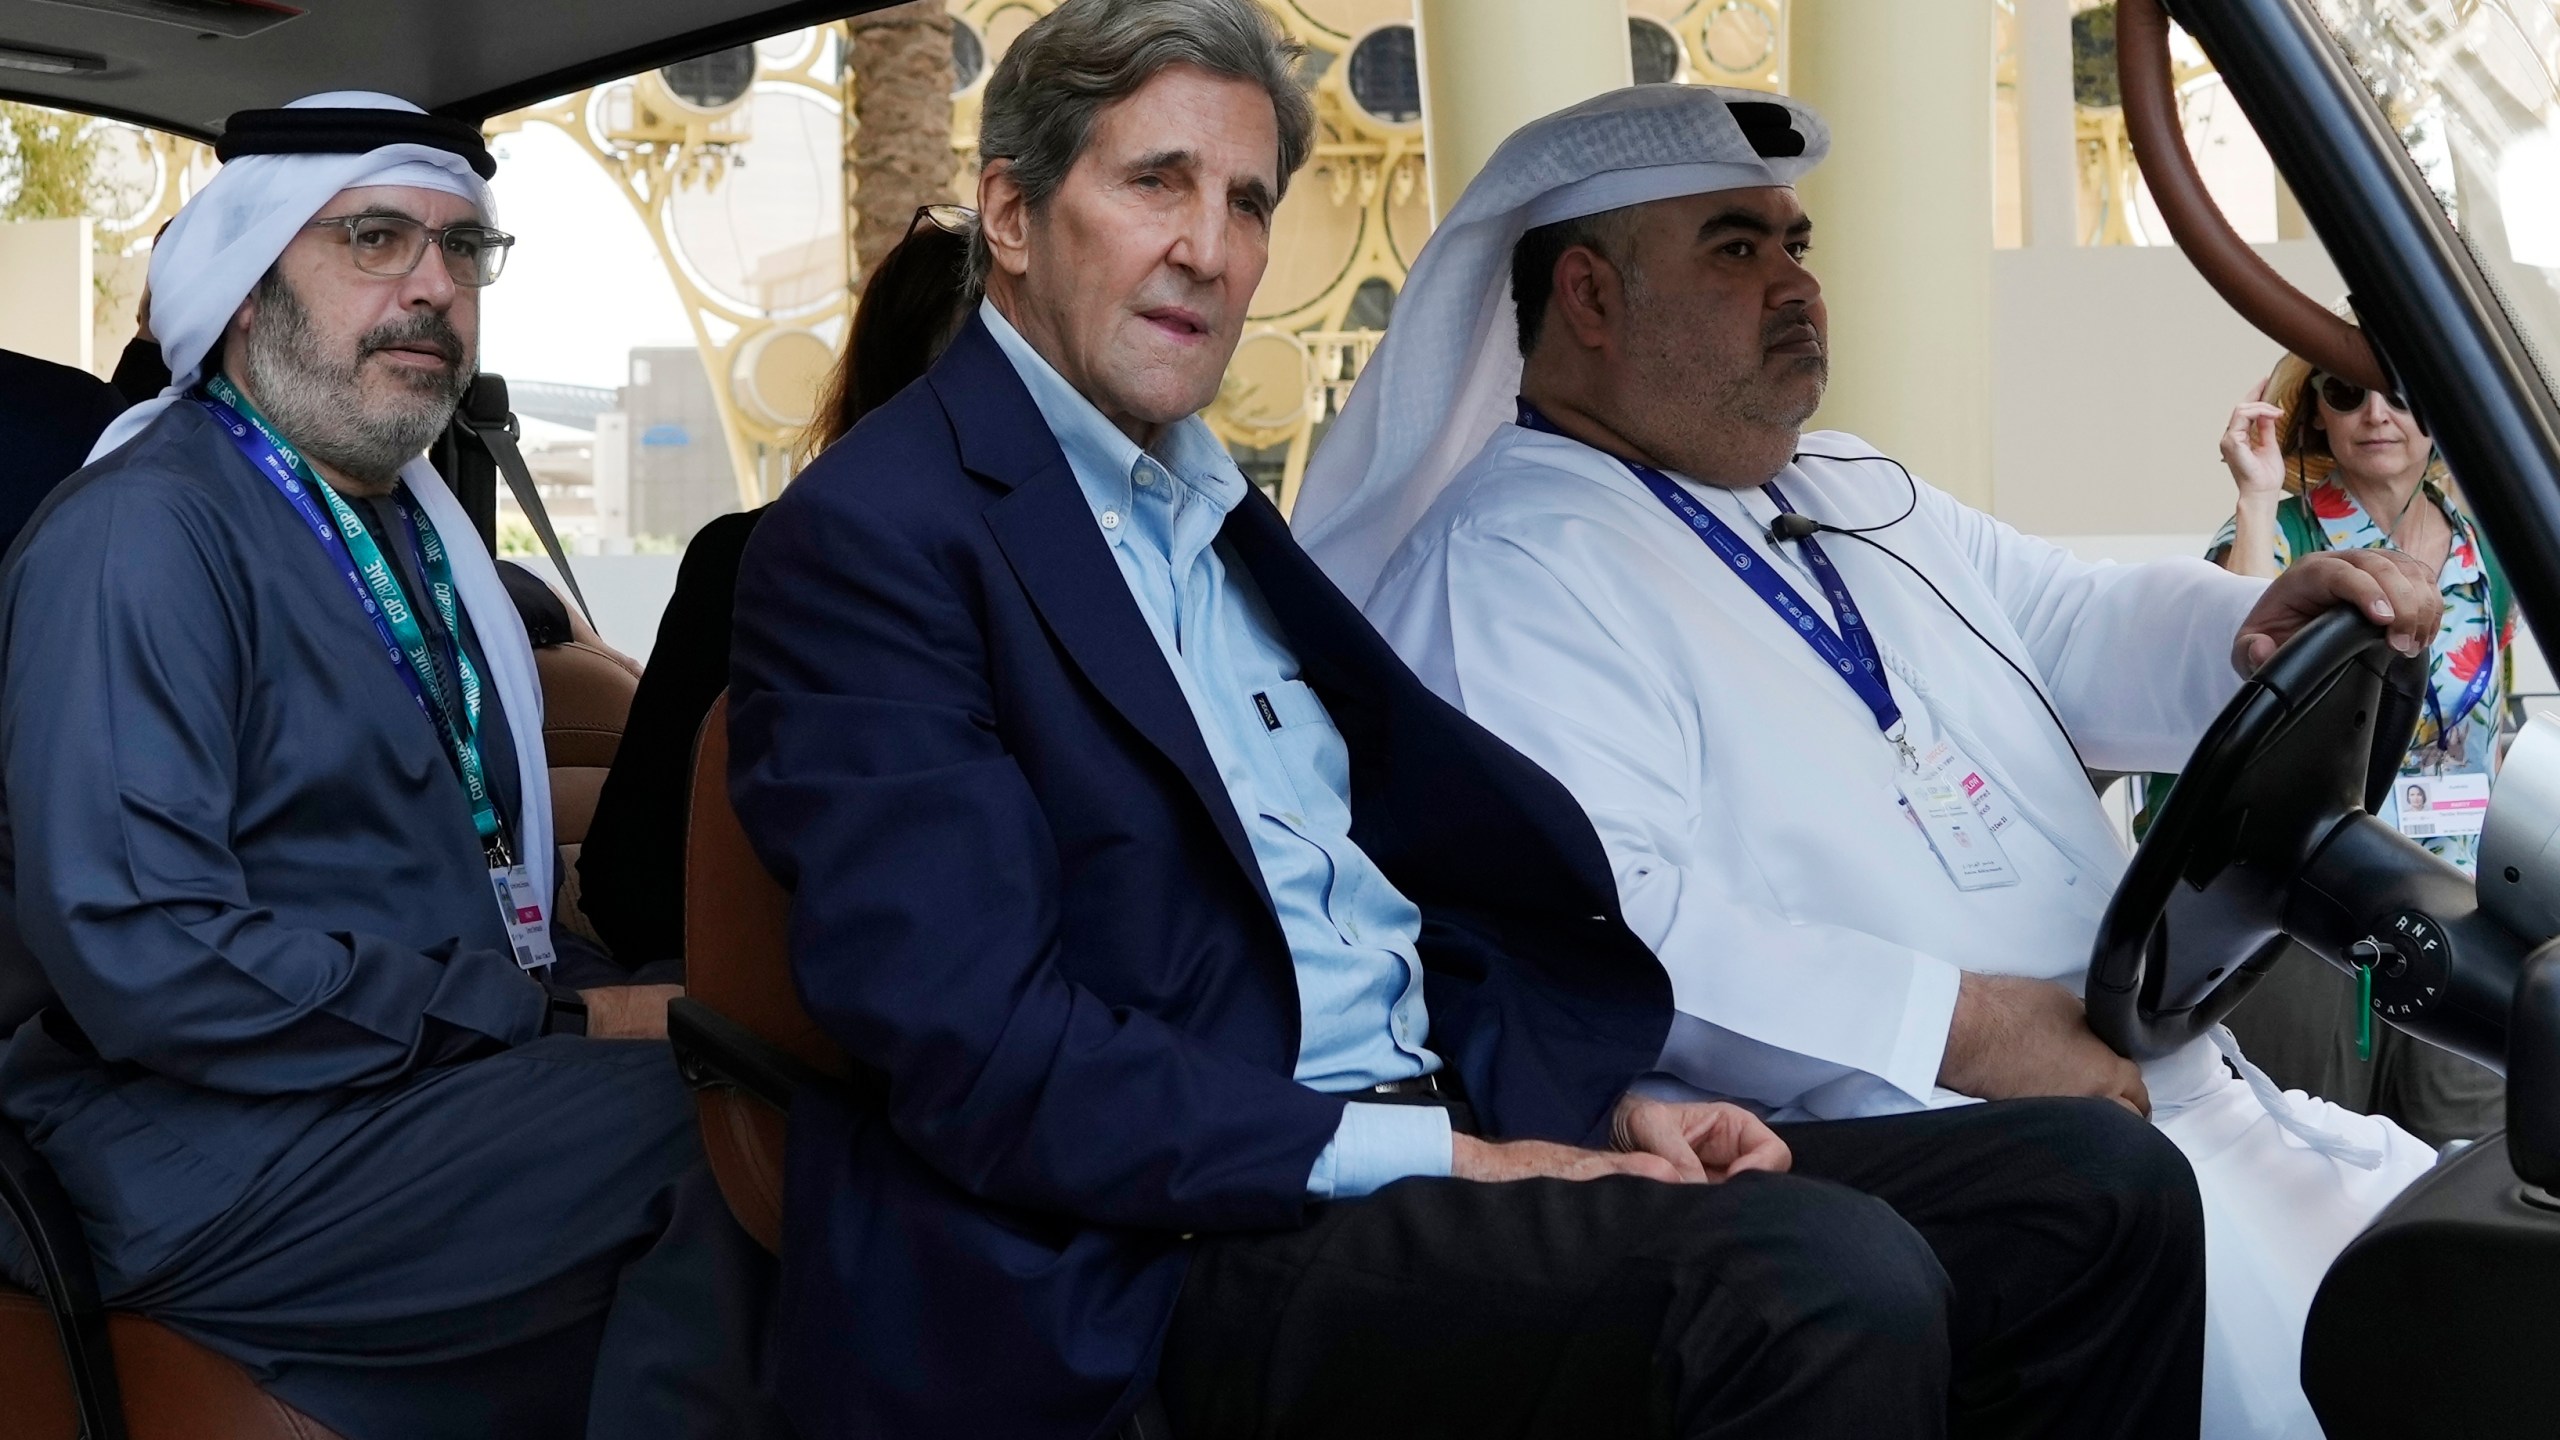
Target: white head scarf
227, 237
1447, 373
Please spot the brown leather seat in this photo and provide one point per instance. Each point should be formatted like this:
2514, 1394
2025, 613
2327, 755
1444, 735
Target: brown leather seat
738, 965
39, 1403
174, 1389
740, 1033
587, 687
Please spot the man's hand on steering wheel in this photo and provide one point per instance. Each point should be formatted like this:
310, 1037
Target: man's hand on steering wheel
2391, 589
2014, 1037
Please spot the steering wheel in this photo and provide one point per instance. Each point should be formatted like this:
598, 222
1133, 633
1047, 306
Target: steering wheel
2314, 739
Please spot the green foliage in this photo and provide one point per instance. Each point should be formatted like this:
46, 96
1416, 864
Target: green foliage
517, 537
48, 163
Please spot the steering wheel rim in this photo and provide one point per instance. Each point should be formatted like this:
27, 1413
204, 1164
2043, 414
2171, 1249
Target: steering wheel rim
2314, 737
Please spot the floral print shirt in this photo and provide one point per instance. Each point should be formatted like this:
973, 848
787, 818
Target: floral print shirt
2470, 640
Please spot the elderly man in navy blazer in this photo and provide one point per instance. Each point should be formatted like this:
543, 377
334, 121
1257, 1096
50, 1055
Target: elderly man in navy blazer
1259, 1032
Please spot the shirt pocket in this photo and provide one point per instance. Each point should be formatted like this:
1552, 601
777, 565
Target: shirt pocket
1311, 754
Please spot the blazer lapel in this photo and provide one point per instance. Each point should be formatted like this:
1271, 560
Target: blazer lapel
1446, 808
1048, 535
1337, 649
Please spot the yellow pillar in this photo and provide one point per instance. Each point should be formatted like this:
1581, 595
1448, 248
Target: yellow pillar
1902, 225
1491, 66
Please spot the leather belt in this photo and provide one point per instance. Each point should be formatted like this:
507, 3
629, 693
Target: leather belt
1436, 1089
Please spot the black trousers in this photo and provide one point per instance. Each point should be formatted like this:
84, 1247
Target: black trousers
2031, 1268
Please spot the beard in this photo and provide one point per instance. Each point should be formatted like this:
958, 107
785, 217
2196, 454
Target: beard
318, 399
1726, 417
1745, 390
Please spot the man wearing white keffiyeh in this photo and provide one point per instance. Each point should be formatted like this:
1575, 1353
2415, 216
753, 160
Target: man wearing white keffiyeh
282, 1005
1860, 838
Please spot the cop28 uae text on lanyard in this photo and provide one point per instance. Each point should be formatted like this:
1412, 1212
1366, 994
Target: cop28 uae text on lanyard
1944, 793
377, 588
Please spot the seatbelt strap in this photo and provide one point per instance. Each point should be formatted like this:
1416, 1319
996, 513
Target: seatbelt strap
501, 446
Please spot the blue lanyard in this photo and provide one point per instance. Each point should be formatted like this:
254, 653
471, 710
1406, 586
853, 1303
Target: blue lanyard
2472, 694
1850, 652
377, 589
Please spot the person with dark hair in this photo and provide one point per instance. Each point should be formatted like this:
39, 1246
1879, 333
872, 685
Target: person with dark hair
1261, 1035
1833, 725
631, 870
142, 372
915, 301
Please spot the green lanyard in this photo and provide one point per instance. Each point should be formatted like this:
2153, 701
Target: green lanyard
377, 586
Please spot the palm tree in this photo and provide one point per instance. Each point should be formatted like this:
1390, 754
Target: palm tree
900, 141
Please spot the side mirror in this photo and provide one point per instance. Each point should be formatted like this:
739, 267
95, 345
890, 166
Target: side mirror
2533, 1077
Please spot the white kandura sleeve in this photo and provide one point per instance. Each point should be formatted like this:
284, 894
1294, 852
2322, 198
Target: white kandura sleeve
1798, 1006
2136, 657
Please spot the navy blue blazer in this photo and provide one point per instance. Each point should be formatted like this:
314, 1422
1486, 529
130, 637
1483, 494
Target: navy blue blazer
1021, 892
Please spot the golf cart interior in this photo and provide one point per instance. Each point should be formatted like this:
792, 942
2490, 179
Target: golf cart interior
2266, 852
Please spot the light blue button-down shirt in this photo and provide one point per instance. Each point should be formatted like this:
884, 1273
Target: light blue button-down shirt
1351, 933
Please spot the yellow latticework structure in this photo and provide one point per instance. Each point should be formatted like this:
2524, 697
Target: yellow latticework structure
767, 326
1341, 242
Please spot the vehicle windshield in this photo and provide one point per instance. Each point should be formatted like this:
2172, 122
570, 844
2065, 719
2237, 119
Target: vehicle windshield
2470, 86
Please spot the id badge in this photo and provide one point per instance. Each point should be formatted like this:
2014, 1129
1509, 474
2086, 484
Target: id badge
527, 931
2433, 806
1960, 814
1946, 761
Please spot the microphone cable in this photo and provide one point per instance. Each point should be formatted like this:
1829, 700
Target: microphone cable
1795, 525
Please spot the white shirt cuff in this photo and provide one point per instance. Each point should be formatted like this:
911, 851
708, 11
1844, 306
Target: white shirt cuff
1376, 1145
1928, 1014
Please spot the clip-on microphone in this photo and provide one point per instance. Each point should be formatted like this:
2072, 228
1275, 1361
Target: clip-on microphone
1794, 526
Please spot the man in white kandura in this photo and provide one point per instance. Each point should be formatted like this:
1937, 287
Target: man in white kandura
1771, 765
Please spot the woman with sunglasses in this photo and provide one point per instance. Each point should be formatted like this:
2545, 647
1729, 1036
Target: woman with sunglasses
2324, 464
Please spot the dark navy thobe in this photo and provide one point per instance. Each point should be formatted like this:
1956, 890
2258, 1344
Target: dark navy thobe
262, 1013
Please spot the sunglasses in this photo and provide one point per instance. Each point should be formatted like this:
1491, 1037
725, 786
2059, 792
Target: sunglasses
949, 219
2346, 398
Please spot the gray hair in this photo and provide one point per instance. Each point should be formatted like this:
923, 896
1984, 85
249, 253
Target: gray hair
1086, 54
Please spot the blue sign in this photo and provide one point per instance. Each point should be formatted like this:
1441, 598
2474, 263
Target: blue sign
666, 435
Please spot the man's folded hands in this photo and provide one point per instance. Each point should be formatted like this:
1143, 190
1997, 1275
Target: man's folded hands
1678, 1143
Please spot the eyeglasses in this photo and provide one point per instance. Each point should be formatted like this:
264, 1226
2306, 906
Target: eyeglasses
949, 219
2347, 398
392, 245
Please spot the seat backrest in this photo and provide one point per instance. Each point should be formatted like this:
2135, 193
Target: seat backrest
738, 963
737, 948
587, 687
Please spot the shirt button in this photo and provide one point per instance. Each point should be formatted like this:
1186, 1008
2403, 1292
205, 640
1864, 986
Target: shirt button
1110, 519
1144, 478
